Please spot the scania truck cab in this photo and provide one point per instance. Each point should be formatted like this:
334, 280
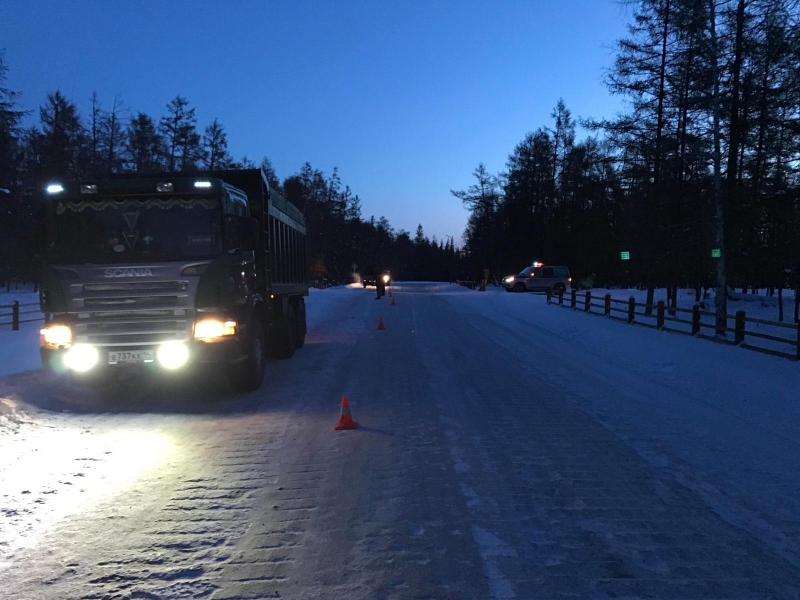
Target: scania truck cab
161, 273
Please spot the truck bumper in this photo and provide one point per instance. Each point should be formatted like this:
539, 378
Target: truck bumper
223, 352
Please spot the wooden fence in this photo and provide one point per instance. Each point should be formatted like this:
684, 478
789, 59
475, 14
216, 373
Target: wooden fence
663, 318
13, 318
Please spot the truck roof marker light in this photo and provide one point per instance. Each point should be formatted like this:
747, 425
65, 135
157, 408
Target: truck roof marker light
88, 189
55, 188
202, 184
164, 187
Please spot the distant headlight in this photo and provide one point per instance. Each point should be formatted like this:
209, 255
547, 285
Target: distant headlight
56, 335
385, 279
212, 329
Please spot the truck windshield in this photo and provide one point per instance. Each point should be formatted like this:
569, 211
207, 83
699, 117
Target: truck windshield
119, 230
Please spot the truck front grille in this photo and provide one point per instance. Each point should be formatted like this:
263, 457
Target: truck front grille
129, 301
132, 329
136, 286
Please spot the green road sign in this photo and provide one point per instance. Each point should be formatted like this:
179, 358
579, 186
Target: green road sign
716, 253
625, 255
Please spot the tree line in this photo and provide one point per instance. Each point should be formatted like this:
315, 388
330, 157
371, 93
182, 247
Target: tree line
698, 178
63, 144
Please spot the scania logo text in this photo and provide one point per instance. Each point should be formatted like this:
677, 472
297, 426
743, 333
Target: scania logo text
129, 272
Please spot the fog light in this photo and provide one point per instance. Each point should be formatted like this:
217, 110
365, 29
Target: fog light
81, 358
172, 355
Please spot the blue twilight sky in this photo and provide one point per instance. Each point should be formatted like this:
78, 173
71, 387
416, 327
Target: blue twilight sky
405, 97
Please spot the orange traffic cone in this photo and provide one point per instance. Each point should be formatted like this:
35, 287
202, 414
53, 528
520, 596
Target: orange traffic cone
380, 324
345, 419
393, 302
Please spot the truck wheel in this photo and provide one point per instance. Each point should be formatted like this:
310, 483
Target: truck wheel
286, 338
247, 376
300, 337
519, 288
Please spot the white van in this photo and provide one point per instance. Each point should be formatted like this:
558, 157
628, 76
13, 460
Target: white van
539, 278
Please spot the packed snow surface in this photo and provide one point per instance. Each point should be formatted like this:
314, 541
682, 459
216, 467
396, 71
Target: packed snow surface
507, 449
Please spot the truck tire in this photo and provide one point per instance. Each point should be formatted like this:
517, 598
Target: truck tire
300, 337
248, 375
286, 336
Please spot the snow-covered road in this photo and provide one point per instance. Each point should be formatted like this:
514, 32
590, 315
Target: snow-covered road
506, 449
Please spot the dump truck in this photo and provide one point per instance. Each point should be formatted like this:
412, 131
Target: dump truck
166, 272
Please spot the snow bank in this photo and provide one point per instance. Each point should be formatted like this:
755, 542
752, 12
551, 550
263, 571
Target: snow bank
19, 350
729, 413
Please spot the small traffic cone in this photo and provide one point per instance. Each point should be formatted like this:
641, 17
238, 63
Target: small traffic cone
393, 302
380, 324
345, 419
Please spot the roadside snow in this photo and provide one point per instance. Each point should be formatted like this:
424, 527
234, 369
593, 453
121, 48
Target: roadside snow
754, 306
729, 416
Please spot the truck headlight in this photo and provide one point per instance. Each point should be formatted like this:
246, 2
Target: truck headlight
172, 355
56, 335
212, 329
81, 357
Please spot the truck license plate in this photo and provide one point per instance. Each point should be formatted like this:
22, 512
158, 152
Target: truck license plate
131, 356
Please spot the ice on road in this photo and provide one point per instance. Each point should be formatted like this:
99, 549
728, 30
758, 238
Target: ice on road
506, 449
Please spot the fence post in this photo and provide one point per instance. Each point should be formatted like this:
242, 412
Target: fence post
15, 315
549, 293
798, 340
573, 299
588, 302
608, 304
561, 297
695, 319
631, 308
660, 314
738, 332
